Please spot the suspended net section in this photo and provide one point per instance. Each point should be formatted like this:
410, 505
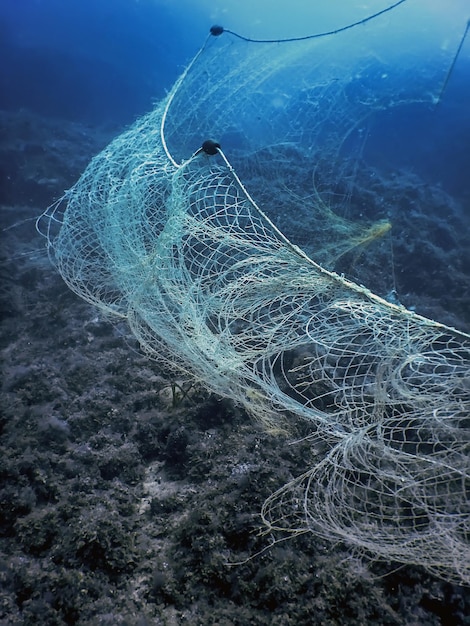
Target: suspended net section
213, 288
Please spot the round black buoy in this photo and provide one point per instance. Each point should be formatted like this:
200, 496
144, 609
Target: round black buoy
210, 147
216, 30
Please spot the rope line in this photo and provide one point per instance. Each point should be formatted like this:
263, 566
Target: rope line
454, 61
218, 30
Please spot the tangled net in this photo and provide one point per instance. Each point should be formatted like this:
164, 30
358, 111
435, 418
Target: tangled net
211, 286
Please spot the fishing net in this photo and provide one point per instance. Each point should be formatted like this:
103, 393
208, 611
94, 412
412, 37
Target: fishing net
213, 286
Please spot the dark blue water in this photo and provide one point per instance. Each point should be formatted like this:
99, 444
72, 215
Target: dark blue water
433, 141
92, 61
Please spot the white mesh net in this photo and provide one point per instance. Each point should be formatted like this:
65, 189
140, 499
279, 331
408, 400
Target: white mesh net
209, 285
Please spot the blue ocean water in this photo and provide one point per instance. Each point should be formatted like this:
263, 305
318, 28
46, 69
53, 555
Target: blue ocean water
109, 61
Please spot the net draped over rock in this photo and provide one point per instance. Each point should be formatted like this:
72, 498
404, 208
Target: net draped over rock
175, 244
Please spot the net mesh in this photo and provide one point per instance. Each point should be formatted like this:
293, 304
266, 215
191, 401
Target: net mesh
213, 288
